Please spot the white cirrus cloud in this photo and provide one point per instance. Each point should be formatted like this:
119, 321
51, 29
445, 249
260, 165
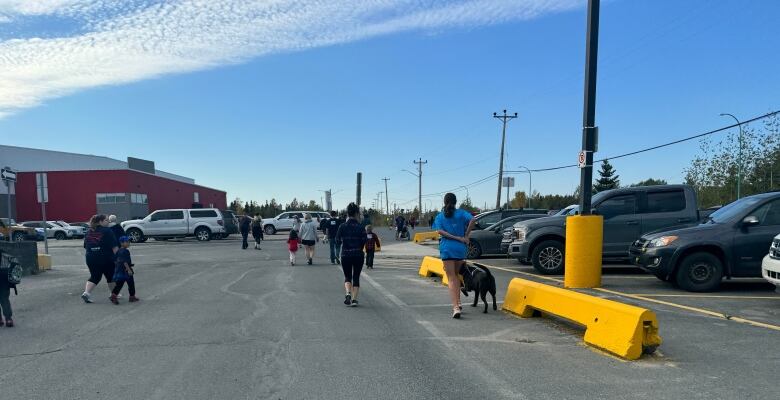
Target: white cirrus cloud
123, 42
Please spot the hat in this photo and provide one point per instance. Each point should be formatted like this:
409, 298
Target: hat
123, 239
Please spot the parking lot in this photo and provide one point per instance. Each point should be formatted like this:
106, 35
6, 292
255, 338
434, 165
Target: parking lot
269, 330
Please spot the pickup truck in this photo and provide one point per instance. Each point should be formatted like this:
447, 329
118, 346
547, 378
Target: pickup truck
628, 214
15, 232
202, 223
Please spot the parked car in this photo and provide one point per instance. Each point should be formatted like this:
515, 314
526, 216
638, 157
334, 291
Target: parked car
80, 231
53, 230
284, 221
488, 241
628, 213
202, 223
13, 231
231, 223
770, 267
730, 243
81, 224
489, 218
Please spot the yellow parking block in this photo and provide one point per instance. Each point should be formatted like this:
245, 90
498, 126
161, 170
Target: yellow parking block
624, 330
432, 266
44, 262
423, 236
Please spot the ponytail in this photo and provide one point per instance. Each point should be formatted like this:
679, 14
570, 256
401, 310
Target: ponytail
449, 205
95, 221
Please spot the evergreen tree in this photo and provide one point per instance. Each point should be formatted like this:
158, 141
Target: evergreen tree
607, 178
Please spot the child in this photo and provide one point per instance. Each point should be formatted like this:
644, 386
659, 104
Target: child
123, 271
292, 245
372, 244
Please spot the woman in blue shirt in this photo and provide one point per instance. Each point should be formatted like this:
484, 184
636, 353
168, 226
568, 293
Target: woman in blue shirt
454, 227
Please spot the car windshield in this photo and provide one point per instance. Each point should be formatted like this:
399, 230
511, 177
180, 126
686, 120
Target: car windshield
734, 209
570, 210
503, 221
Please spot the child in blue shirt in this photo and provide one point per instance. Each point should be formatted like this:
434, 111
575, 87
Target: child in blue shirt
123, 271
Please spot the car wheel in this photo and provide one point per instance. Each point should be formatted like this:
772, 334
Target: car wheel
548, 257
18, 237
135, 236
269, 229
700, 272
202, 234
59, 235
475, 250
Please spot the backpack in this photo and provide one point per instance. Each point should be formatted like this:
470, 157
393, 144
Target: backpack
11, 270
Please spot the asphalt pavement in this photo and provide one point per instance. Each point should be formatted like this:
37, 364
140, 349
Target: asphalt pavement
218, 322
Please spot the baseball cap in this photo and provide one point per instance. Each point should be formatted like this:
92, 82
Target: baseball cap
123, 239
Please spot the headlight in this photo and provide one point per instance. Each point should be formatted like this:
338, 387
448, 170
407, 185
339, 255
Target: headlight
662, 241
520, 233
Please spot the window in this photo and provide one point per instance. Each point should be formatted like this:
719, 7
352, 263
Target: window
488, 220
138, 198
175, 215
111, 198
196, 197
666, 201
284, 216
203, 214
769, 214
618, 205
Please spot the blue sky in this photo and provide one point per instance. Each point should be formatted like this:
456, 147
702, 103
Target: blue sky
284, 98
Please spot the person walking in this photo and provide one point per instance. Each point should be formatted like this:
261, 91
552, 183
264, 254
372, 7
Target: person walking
372, 245
309, 237
257, 230
454, 226
100, 245
244, 227
352, 237
292, 245
331, 228
296, 223
123, 272
5, 301
116, 228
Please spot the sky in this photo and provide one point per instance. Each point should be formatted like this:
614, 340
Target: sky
283, 98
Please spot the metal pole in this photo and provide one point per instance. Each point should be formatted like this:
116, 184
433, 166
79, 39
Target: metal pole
530, 187
45, 224
739, 155
419, 183
387, 196
589, 109
359, 188
467, 192
8, 187
504, 118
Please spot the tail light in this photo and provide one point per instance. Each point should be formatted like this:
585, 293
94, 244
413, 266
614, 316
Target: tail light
221, 222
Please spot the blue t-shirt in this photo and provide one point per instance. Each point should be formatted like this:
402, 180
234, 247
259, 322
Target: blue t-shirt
456, 226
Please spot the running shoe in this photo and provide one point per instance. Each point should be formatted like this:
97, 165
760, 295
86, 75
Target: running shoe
348, 299
456, 313
354, 303
114, 299
86, 298
9, 322
310, 261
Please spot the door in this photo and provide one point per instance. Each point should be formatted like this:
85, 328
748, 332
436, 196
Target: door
175, 224
665, 209
156, 224
622, 223
751, 243
284, 222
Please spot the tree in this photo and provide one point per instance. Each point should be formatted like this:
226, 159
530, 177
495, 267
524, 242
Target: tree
520, 200
649, 182
466, 205
607, 178
713, 173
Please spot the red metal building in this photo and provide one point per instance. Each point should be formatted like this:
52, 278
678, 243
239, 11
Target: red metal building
80, 186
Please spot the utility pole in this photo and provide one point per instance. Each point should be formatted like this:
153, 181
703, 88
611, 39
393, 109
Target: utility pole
589, 130
419, 163
387, 196
739, 155
359, 187
504, 118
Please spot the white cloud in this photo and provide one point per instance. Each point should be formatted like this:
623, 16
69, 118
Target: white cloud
138, 40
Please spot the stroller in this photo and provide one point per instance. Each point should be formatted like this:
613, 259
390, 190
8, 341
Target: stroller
403, 233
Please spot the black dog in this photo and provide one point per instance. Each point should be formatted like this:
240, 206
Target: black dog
479, 280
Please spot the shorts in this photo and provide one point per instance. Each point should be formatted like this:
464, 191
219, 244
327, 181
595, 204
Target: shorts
307, 242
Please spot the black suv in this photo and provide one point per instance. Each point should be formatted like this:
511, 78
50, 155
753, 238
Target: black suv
730, 242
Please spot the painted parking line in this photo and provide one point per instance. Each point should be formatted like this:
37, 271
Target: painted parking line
656, 301
709, 296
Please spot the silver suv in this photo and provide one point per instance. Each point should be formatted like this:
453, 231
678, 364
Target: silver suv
202, 223
285, 220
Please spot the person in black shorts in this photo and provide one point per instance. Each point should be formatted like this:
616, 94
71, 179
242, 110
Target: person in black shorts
352, 237
100, 246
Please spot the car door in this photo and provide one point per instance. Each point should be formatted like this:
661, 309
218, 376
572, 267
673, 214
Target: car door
283, 222
751, 243
664, 209
176, 224
622, 223
156, 224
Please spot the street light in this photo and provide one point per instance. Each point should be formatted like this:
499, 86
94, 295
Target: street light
530, 188
739, 154
467, 192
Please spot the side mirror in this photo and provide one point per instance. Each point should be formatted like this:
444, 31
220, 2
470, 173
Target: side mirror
750, 220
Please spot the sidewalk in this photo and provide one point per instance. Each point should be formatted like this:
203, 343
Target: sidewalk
408, 250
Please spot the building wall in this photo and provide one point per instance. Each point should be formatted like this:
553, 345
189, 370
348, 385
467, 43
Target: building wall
72, 194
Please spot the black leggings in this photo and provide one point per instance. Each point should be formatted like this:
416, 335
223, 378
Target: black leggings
352, 266
99, 268
130, 286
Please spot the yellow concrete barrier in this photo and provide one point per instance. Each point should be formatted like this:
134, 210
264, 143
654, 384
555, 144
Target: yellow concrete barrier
584, 234
432, 266
423, 236
44, 262
624, 330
